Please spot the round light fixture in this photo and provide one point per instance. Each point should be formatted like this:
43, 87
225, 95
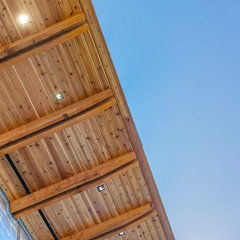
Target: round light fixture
23, 19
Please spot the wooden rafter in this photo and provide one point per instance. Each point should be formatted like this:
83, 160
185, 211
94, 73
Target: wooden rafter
56, 122
73, 185
111, 224
89, 59
54, 117
42, 46
45, 34
128, 226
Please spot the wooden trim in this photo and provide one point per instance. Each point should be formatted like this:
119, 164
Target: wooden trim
54, 117
128, 226
111, 224
40, 36
104, 54
73, 185
68, 122
147, 173
43, 46
102, 49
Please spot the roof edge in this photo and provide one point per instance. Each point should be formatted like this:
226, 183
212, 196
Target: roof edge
99, 39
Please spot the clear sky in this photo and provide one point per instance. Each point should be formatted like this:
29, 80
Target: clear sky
179, 65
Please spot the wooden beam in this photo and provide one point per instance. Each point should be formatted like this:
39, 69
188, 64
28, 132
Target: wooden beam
111, 224
42, 35
58, 126
43, 46
54, 117
71, 182
73, 185
125, 228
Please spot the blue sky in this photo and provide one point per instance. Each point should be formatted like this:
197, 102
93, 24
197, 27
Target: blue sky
178, 63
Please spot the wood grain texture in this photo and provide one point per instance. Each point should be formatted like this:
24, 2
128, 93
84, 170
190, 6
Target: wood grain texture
78, 189
127, 227
57, 127
98, 37
104, 54
111, 224
71, 182
54, 151
43, 35
137, 146
53, 118
40, 47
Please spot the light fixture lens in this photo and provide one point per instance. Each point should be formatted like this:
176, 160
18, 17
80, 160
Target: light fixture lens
101, 188
121, 234
23, 19
59, 96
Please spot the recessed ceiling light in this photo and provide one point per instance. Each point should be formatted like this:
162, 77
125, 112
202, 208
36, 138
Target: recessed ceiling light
23, 19
101, 188
121, 234
59, 96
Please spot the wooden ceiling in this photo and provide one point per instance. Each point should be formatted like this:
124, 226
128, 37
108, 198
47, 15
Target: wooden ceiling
56, 154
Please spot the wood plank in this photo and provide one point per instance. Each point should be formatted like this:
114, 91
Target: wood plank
71, 182
128, 226
40, 36
76, 190
73, 185
35, 136
111, 224
103, 52
53, 118
105, 57
43, 46
147, 173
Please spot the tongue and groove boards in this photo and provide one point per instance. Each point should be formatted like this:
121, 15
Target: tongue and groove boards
65, 149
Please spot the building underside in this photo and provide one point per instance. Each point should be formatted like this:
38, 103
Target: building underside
72, 164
